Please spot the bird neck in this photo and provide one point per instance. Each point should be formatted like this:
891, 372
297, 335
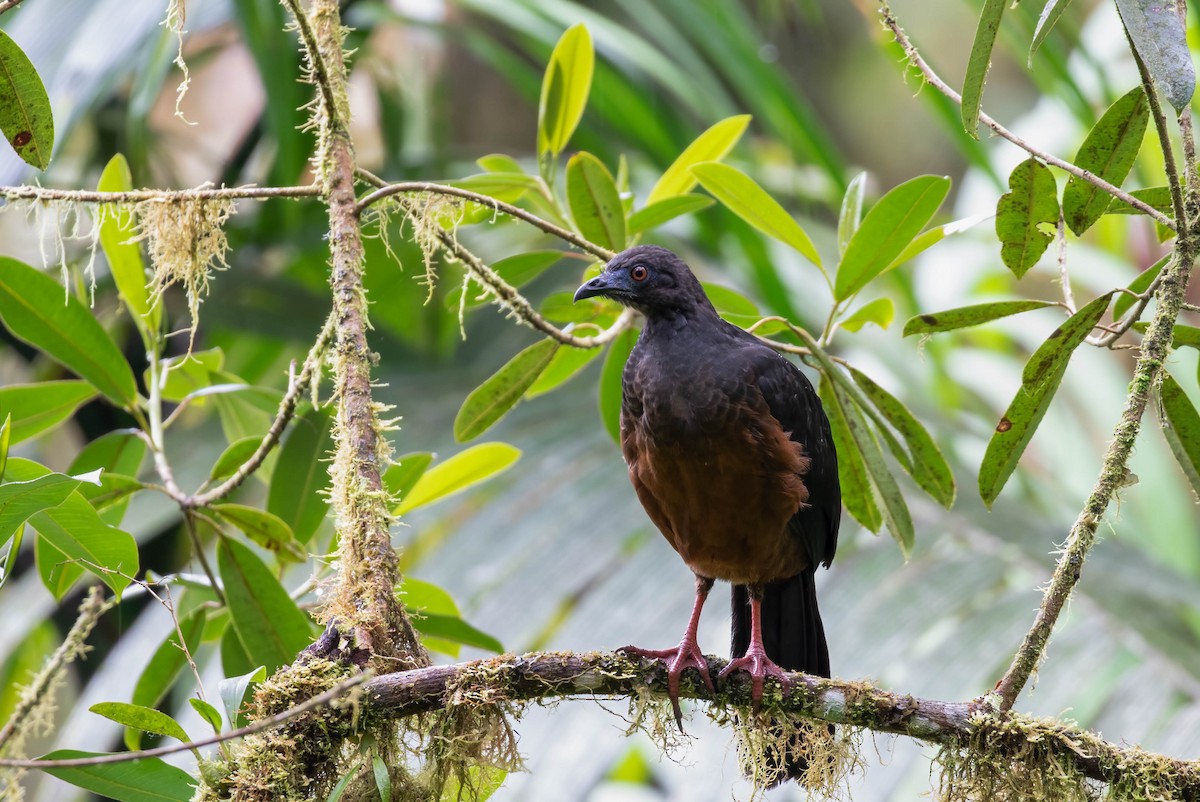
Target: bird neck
669, 321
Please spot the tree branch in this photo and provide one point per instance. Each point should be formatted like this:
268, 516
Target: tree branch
141, 195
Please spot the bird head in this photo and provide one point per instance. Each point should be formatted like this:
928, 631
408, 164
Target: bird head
652, 280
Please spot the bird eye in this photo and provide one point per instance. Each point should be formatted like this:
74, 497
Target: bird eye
639, 273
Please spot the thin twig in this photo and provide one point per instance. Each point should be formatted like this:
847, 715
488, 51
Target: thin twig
189, 522
9, 5
1064, 275
914, 58
511, 298
484, 200
26, 192
316, 62
263, 724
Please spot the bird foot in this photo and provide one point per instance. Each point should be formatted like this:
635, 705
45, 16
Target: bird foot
756, 663
686, 655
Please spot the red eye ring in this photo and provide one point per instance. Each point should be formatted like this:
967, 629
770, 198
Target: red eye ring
638, 273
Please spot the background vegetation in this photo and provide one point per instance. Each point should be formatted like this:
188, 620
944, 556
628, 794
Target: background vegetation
553, 551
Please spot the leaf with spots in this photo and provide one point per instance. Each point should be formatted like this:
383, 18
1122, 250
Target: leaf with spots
979, 62
1181, 428
1039, 382
1108, 151
1159, 36
25, 116
966, 316
1032, 201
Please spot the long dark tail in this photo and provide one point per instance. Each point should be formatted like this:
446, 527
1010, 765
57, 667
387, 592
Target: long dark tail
793, 637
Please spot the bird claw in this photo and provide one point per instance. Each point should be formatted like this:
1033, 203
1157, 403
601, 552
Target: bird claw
759, 667
685, 655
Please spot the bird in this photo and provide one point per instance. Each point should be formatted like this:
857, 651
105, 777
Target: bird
731, 455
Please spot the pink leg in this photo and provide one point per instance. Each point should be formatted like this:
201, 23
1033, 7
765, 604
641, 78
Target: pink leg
686, 655
755, 661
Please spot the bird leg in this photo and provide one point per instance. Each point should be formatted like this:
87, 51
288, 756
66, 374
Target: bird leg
755, 661
686, 655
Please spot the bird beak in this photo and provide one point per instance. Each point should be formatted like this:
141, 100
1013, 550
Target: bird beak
606, 284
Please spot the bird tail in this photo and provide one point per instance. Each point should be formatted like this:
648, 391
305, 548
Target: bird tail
794, 639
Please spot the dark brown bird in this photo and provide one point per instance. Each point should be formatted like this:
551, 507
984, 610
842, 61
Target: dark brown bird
731, 455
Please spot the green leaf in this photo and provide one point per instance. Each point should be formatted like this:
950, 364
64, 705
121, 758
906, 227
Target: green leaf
454, 629
426, 597
932, 236
965, 316
207, 712
891, 224
507, 187
145, 780
37, 408
517, 270
851, 212
499, 163
404, 472
20, 500
1159, 36
711, 146
979, 62
57, 572
137, 717
25, 116
565, 88
383, 778
5, 442
186, 375
1108, 151
595, 202
489, 402
1039, 382
81, 539
116, 452
168, 660
300, 481
567, 362
1050, 14
1139, 285
264, 528
233, 692
477, 783
112, 497
881, 312
269, 625
458, 473
118, 227
1032, 200
738, 192
857, 495
233, 457
1156, 197
655, 214
610, 382
32, 306
1181, 428
926, 464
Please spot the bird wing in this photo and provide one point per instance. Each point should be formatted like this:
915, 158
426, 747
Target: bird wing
794, 403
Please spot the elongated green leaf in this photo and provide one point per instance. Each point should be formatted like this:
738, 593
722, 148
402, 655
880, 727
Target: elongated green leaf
979, 62
404, 473
207, 712
300, 480
456, 630
966, 316
81, 538
610, 382
1181, 428
595, 202
117, 230
891, 224
1158, 35
456, 474
1039, 382
25, 116
479, 783
37, 408
264, 528
507, 187
117, 452
169, 660
932, 236
567, 363
233, 457
32, 306
655, 214
738, 192
137, 717
20, 500
1156, 197
1108, 151
1032, 201
711, 146
881, 312
1139, 285
499, 163
145, 780
269, 625
233, 693
565, 88
488, 402
5, 442
851, 212
927, 466
857, 495
1050, 14
383, 778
